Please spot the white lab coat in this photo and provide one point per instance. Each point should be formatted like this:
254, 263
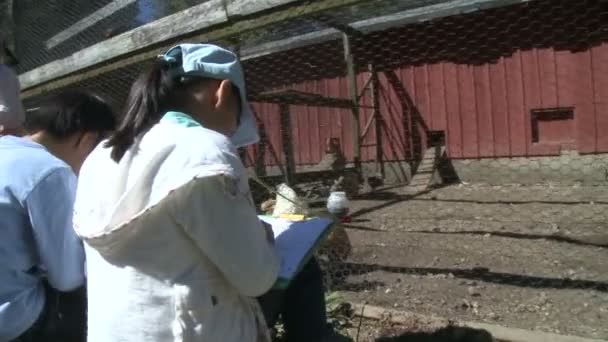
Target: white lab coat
175, 251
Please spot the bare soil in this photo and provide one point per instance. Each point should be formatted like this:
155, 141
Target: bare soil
482, 253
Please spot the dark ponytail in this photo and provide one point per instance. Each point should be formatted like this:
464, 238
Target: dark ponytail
148, 99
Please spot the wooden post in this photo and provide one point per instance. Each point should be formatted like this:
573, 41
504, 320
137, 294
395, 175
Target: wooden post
287, 141
375, 91
260, 151
354, 95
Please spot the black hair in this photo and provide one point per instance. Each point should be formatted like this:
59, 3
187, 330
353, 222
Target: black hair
152, 94
64, 114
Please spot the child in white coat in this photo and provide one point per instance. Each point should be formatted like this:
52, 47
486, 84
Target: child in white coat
175, 251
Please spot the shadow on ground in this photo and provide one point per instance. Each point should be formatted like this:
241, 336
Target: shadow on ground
480, 274
598, 240
447, 334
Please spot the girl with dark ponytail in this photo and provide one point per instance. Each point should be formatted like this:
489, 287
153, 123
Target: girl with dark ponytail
150, 97
175, 250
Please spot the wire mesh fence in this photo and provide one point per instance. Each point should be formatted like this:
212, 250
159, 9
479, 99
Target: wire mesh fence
468, 138
50, 30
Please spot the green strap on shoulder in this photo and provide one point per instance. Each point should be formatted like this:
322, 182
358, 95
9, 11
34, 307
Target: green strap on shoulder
180, 118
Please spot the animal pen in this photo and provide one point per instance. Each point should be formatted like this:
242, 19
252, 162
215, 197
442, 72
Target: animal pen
469, 134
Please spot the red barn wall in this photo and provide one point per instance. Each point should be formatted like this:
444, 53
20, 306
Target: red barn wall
483, 105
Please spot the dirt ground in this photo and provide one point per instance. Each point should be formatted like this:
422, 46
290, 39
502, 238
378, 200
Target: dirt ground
480, 253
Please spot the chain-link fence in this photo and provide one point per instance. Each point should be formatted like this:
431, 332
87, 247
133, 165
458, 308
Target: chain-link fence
49, 30
468, 135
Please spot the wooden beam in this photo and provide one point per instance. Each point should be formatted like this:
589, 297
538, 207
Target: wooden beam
287, 142
435, 11
354, 96
364, 89
88, 21
424, 13
368, 125
267, 143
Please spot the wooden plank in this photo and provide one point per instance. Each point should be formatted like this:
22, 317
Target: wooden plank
87, 22
515, 105
354, 96
236, 8
190, 23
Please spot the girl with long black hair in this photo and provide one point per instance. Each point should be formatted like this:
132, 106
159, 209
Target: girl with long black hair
175, 251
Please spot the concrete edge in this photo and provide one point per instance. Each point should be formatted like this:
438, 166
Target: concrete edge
499, 332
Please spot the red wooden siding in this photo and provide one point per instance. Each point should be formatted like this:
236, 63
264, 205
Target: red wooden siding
482, 104
599, 64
